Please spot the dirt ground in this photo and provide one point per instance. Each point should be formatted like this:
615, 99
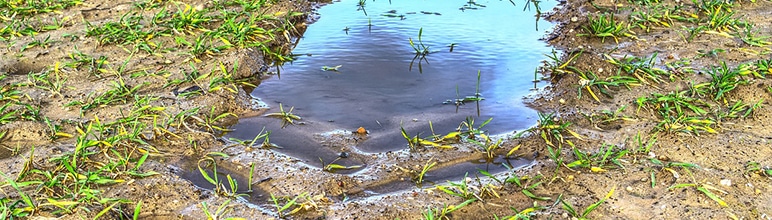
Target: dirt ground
673, 179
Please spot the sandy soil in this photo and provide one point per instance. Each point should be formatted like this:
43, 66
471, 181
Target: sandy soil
642, 189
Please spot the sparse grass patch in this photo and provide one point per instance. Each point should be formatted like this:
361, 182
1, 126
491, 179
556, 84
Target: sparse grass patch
604, 25
753, 37
120, 93
653, 15
211, 120
527, 184
296, 204
704, 188
674, 109
583, 215
128, 29
45, 43
606, 117
221, 211
50, 80
103, 155
28, 8
589, 81
754, 167
552, 130
642, 68
557, 67
598, 162
97, 66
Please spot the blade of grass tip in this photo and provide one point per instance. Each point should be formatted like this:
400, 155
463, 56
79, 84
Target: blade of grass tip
485, 123
461, 205
567, 206
535, 197
221, 208
206, 175
595, 205
290, 203
477, 92
105, 210
137, 210
251, 176
142, 160
27, 200
712, 196
206, 210
233, 184
653, 180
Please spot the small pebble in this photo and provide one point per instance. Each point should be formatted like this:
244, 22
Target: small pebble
629, 189
726, 182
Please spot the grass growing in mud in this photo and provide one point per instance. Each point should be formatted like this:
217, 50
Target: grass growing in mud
120, 123
121, 120
698, 96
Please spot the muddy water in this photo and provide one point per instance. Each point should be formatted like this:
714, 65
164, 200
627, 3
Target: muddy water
381, 86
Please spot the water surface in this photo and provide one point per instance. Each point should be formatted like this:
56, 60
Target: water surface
375, 87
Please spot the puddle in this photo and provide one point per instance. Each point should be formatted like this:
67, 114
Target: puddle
373, 85
374, 88
190, 171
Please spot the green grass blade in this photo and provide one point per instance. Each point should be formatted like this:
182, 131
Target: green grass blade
461, 205
712, 196
595, 205
105, 210
137, 210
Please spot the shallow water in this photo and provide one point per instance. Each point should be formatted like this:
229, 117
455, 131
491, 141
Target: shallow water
375, 88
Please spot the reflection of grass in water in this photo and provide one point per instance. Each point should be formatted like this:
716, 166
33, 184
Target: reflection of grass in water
220, 188
477, 97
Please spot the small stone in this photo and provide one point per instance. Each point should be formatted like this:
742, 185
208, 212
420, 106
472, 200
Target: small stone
562, 101
574, 19
726, 182
629, 189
